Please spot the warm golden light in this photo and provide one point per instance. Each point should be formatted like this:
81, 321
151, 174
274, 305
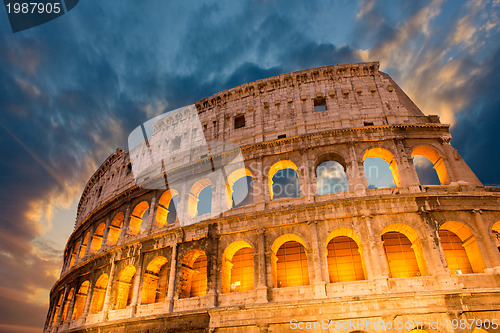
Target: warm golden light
344, 260
115, 228
98, 294
389, 158
162, 212
281, 165
437, 161
81, 298
193, 279
155, 281
124, 287
97, 237
400, 255
136, 219
291, 265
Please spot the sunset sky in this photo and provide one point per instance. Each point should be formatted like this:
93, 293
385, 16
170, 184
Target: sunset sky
71, 91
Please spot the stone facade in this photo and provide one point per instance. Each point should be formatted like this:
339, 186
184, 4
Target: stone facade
125, 272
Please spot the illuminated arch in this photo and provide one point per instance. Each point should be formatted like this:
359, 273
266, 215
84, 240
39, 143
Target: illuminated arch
388, 157
461, 254
81, 298
124, 287
162, 211
437, 161
281, 165
56, 310
99, 293
155, 281
404, 251
66, 304
496, 234
74, 255
96, 243
232, 179
289, 262
115, 228
345, 256
83, 245
237, 267
136, 219
194, 193
193, 274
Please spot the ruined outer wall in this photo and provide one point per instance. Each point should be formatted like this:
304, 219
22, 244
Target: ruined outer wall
365, 111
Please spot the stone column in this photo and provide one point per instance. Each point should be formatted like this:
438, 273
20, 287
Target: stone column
432, 251
355, 173
318, 282
109, 289
171, 279
61, 307
261, 267
258, 184
89, 241
151, 216
136, 292
88, 300
106, 232
376, 250
491, 255
212, 267
72, 305
125, 225
307, 186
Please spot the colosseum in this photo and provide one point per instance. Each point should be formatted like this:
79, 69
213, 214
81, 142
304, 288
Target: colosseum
295, 231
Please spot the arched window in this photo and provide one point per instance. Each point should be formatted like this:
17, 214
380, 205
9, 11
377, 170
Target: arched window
496, 234
98, 294
115, 228
240, 188
193, 274
124, 287
97, 238
289, 262
400, 255
460, 248
284, 180
66, 304
83, 246
331, 178
200, 198
381, 169
344, 259
56, 310
237, 267
166, 212
81, 298
74, 254
155, 281
430, 166
139, 218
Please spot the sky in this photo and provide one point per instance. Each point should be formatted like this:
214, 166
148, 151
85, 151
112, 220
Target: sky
71, 91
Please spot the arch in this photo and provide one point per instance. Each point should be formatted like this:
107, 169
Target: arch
74, 255
496, 234
388, 157
115, 228
194, 192
99, 293
289, 261
461, 254
83, 245
66, 304
345, 256
436, 159
155, 281
136, 225
124, 287
81, 298
56, 310
330, 157
331, 178
96, 243
193, 274
237, 267
403, 250
233, 180
166, 210
278, 166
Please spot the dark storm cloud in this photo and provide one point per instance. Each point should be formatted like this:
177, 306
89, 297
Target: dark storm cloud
476, 131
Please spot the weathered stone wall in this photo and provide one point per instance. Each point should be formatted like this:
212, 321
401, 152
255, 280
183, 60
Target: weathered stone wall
366, 115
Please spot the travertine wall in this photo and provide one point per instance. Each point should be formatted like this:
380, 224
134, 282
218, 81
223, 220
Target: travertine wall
367, 115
